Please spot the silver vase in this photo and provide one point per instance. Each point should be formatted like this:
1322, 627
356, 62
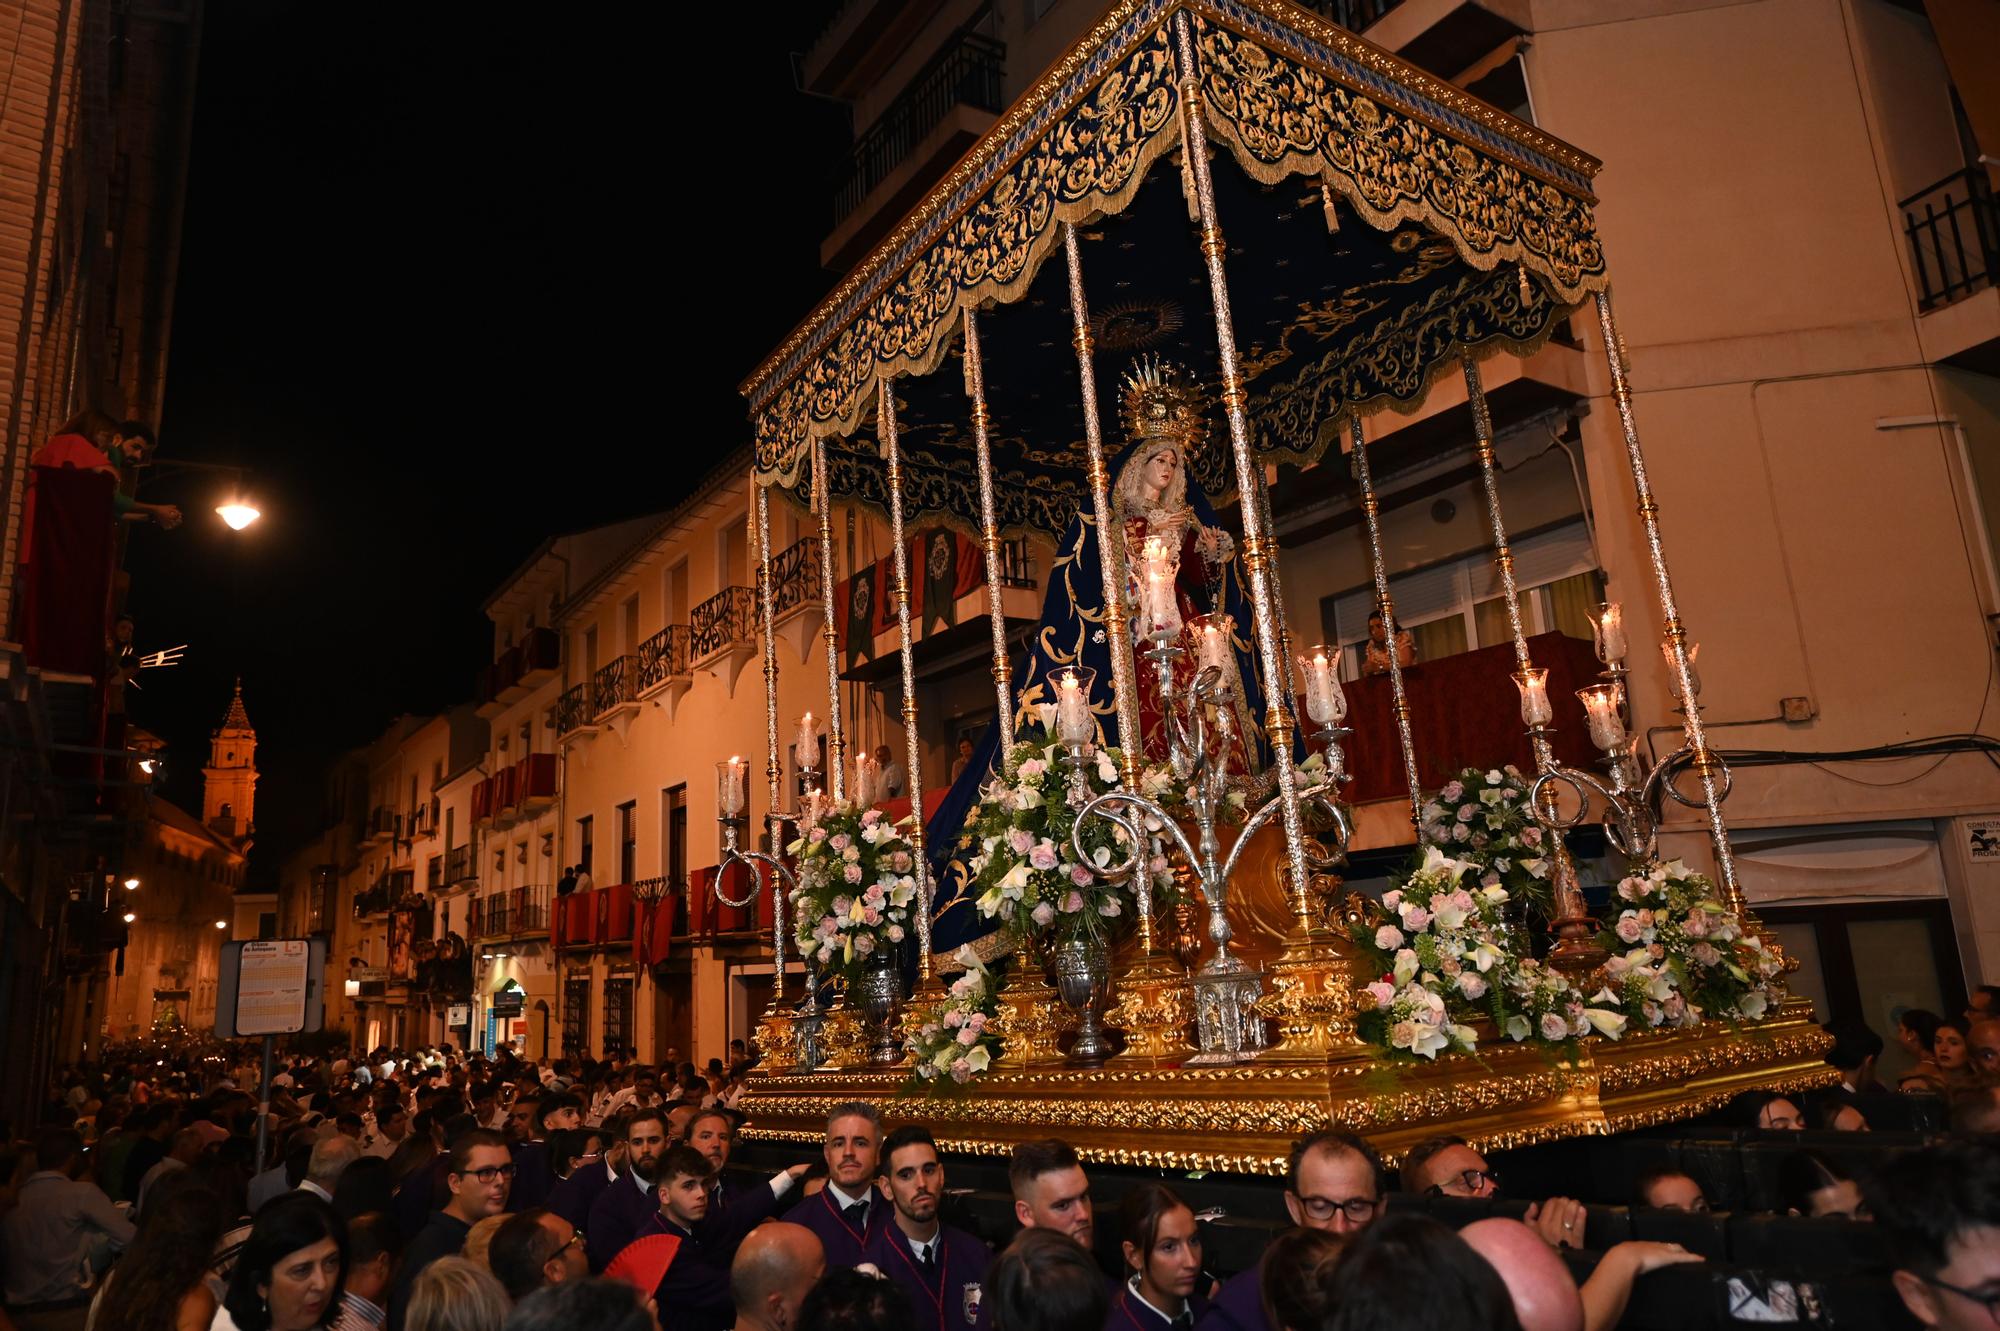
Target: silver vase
808, 1025
1083, 981
879, 996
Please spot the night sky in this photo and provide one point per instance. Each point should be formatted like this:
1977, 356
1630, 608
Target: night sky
451, 282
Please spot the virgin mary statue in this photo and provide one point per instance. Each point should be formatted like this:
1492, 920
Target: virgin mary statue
1163, 525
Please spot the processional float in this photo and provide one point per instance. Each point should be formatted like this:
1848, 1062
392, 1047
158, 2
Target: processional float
1394, 230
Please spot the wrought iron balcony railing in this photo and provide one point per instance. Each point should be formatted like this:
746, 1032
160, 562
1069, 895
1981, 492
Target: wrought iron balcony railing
613, 684
794, 576
1954, 231
573, 708
459, 866
728, 617
663, 656
967, 72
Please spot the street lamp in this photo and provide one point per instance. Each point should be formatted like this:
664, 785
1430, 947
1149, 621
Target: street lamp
131, 885
222, 924
129, 917
237, 512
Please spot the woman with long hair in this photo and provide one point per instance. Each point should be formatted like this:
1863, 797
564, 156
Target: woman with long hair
290, 1272
160, 1284
1162, 1246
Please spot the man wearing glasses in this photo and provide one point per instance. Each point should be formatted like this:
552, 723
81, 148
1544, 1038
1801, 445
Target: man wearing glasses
1334, 1183
480, 1174
1447, 1167
1940, 1208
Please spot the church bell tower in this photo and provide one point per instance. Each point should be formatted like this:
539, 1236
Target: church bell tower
229, 787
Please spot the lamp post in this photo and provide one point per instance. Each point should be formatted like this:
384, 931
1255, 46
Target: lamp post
236, 511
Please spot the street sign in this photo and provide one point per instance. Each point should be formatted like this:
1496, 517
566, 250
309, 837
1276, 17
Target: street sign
458, 1015
271, 987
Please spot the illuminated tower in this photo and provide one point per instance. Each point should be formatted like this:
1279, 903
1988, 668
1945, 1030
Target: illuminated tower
229, 787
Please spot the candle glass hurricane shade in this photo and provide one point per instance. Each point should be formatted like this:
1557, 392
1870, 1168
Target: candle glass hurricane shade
1601, 706
867, 780
1326, 703
1212, 640
732, 787
1533, 682
1161, 602
1074, 722
1694, 676
1607, 632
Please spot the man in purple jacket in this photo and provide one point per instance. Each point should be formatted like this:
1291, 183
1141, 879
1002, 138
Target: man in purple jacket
631, 1200
846, 1213
941, 1269
1334, 1183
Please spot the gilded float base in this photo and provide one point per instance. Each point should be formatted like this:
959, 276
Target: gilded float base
1244, 1119
843, 1039
777, 1042
1028, 1019
1155, 1009
1311, 1003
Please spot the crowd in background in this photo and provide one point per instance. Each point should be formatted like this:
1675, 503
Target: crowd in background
441, 1191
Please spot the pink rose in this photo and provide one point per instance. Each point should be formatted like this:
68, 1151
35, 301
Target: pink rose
1043, 856
1033, 768
901, 861
1392, 900
1020, 840
1079, 875
1388, 938
839, 842
1554, 1027
864, 944
1531, 836
1415, 917
1627, 928
871, 917
968, 1035
1383, 993
853, 873
1471, 984
1452, 790
961, 1071
1073, 902
1042, 914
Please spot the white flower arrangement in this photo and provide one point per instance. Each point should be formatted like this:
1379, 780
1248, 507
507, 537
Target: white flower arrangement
950, 1043
1679, 955
1481, 816
1447, 959
856, 885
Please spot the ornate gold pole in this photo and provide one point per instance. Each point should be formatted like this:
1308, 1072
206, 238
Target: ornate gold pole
775, 1040
989, 535
1371, 510
1256, 552
1705, 765
836, 746
1576, 949
1154, 1001
885, 420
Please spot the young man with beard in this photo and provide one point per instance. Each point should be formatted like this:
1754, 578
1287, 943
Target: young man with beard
1050, 1190
1334, 1184
841, 1214
628, 1201
941, 1269
480, 1175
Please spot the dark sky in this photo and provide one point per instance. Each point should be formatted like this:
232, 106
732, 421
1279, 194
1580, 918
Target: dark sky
453, 280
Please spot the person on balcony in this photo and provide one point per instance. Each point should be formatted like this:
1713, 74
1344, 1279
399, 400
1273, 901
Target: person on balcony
567, 883
1375, 656
895, 781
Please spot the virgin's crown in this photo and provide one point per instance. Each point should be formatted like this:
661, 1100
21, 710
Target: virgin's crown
1162, 401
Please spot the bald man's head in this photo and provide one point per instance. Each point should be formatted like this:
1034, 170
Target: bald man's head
1984, 1039
1545, 1297
774, 1270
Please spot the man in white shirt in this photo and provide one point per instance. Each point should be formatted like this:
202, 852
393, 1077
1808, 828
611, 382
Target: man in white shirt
330, 1159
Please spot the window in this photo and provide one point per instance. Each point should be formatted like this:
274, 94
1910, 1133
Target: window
617, 1016
629, 616
434, 874
590, 652
628, 841
1457, 606
676, 608
584, 836
576, 1016
673, 839
732, 544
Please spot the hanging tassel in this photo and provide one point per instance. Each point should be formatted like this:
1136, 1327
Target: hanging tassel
1332, 207
1527, 287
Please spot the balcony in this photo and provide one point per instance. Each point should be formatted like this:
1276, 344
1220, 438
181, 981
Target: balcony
518, 791
381, 825
600, 917
459, 866
521, 669
948, 603
663, 673
722, 633
1954, 232
946, 107
796, 609
573, 710
514, 913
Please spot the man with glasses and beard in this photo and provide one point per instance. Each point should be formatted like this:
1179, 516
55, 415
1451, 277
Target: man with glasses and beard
1334, 1184
941, 1269
480, 1175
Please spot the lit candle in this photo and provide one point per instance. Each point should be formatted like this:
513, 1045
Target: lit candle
1162, 604
1074, 723
806, 751
1534, 685
867, 780
1694, 678
809, 813
1608, 628
731, 784
1326, 704
1600, 707
1213, 641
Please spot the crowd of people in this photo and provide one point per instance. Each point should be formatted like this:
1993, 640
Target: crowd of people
440, 1191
